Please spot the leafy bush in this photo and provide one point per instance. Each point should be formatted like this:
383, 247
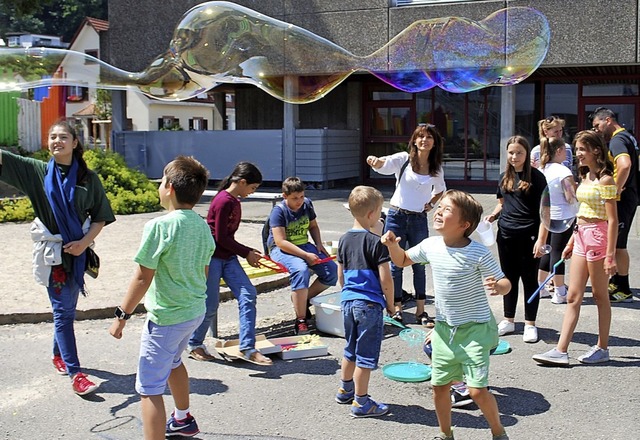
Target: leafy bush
129, 191
16, 210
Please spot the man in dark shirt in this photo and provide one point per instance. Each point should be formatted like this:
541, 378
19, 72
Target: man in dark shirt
623, 152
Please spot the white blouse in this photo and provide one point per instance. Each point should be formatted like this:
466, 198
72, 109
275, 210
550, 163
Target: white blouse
414, 190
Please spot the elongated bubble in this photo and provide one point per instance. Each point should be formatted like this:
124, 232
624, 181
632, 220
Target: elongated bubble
222, 42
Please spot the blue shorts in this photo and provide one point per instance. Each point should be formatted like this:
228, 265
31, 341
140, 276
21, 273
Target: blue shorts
161, 348
301, 272
363, 329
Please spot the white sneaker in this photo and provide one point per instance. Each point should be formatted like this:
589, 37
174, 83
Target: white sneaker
530, 334
506, 327
559, 299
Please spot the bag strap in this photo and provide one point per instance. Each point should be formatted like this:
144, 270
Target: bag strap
404, 167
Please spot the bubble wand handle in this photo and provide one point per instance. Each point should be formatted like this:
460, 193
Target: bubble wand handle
546, 280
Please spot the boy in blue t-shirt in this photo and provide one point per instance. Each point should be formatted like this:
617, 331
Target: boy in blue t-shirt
367, 290
291, 222
464, 271
173, 262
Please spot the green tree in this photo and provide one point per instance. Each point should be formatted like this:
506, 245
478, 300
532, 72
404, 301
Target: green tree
50, 17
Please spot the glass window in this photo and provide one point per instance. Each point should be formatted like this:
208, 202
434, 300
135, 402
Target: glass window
620, 89
562, 100
390, 121
424, 106
526, 113
391, 96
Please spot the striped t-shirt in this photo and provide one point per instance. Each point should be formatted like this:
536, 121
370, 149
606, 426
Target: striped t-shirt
457, 277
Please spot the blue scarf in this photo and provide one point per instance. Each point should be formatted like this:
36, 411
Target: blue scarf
60, 193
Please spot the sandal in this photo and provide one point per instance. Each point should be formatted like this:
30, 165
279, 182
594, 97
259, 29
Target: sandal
255, 357
425, 320
397, 316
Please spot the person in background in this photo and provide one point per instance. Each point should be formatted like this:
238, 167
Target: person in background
561, 214
551, 127
419, 185
291, 222
591, 249
225, 213
623, 153
520, 234
71, 208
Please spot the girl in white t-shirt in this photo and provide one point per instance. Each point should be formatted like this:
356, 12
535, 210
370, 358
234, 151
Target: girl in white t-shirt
561, 213
419, 186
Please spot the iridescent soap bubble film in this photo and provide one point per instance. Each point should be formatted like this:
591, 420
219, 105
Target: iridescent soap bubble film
559, 205
222, 42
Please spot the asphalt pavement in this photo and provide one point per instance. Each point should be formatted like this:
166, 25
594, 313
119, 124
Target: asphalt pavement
294, 398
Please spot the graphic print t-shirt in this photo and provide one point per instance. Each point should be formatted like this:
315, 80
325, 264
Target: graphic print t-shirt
295, 224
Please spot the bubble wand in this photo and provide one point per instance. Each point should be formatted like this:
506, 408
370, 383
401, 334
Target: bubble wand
546, 280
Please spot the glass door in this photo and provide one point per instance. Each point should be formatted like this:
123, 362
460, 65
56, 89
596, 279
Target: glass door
389, 121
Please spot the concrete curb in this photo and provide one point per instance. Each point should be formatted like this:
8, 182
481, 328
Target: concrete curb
275, 282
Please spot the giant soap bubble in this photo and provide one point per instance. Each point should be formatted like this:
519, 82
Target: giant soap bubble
559, 206
222, 42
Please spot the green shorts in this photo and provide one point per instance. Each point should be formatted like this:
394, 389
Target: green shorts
462, 353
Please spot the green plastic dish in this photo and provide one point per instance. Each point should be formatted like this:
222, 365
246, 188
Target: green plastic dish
407, 372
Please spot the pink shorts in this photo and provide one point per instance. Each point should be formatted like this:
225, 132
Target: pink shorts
590, 241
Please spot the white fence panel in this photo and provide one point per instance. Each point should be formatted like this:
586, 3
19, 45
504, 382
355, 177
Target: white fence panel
29, 126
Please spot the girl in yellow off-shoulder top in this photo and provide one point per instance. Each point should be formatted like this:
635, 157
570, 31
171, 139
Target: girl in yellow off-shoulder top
591, 248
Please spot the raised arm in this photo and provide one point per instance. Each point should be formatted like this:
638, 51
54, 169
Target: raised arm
397, 254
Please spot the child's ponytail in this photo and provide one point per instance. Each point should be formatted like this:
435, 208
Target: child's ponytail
243, 170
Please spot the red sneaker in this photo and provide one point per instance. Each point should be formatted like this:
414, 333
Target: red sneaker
59, 365
81, 385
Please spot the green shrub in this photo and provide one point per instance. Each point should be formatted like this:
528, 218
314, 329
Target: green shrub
16, 210
128, 190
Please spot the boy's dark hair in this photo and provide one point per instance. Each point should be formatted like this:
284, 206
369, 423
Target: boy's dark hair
470, 208
243, 170
188, 177
364, 199
603, 113
292, 185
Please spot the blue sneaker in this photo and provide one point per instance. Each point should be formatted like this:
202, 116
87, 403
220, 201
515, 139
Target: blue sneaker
369, 409
343, 396
185, 428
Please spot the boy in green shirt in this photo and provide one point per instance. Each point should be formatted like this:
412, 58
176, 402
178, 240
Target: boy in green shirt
173, 263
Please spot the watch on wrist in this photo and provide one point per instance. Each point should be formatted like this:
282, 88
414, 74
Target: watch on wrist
121, 314
431, 204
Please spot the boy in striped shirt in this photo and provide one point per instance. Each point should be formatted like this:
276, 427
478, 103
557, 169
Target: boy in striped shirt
464, 271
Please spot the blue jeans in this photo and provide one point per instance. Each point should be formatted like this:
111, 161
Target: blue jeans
300, 271
363, 329
63, 305
412, 229
241, 287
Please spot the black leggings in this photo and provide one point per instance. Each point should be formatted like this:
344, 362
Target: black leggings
517, 262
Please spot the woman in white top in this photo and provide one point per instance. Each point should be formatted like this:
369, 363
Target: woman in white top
561, 213
419, 186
